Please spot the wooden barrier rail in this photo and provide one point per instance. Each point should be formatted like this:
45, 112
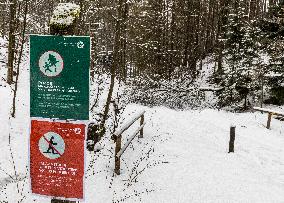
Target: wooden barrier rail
117, 138
270, 113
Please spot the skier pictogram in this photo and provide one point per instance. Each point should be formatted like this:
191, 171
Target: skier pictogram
51, 63
51, 145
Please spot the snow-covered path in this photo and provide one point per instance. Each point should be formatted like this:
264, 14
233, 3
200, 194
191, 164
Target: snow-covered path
185, 156
201, 170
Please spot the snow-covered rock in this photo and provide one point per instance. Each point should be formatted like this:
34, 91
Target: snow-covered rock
65, 14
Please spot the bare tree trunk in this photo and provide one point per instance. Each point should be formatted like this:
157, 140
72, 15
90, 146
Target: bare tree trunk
123, 17
172, 37
3, 19
11, 47
222, 22
20, 58
116, 60
187, 35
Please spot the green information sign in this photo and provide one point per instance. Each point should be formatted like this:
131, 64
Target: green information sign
59, 67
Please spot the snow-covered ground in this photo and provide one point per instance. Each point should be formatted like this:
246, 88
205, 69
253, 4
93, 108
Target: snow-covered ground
183, 157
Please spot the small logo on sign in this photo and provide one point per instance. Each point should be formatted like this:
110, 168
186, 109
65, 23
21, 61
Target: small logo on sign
80, 45
51, 145
51, 63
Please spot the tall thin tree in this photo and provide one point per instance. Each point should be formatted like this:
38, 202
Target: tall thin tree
11, 46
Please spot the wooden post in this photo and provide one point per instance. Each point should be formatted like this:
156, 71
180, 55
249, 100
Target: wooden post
61, 201
117, 159
141, 123
67, 30
269, 120
262, 90
232, 138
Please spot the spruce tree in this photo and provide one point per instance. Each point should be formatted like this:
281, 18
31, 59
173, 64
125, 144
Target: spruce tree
240, 57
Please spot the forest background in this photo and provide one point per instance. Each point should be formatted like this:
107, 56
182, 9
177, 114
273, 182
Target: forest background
158, 47
182, 54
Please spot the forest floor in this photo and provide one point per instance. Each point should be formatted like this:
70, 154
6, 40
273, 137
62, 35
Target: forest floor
183, 156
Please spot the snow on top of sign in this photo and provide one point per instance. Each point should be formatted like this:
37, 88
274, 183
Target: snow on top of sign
64, 14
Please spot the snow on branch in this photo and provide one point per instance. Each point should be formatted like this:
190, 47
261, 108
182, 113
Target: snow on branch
210, 88
180, 89
170, 87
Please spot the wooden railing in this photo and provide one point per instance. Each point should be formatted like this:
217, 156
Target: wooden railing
270, 113
117, 138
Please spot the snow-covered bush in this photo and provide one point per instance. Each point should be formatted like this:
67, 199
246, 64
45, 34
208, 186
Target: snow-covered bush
98, 95
176, 94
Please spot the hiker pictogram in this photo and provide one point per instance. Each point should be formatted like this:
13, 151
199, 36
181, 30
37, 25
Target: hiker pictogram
51, 145
51, 63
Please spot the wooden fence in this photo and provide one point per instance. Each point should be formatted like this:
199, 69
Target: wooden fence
270, 114
118, 134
